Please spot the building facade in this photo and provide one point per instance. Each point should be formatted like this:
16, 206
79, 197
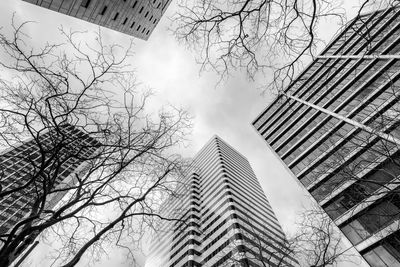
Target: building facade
226, 218
137, 18
44, 163
336, 127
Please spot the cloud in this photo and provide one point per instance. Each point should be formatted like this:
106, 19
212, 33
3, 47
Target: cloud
227, 110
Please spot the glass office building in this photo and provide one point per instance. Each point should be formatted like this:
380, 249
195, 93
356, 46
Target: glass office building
137, 18
226, 220
336, 127
49, 161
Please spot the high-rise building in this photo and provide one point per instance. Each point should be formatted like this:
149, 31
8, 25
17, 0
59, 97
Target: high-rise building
137, 18
225, 218
49, 161
336, 127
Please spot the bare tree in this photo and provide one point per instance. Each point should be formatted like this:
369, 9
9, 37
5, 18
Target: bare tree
316, 242
275, 37
124, 161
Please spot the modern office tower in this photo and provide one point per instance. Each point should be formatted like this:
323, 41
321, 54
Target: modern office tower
336, 128
225, 217
137, 18
36, 164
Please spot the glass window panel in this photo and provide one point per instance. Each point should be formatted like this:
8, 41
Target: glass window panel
374, 260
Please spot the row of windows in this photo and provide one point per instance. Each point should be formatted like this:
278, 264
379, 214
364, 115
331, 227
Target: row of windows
116, 16
334, 85
236, 182
228, 207
266, 251
372, 34
314, 86
376, 103
356, 98
207, 153
351, 168
239, 181
365, 31
51, 173
326, 65
255, 215
347, 146
362, 138
372, 31
318, 138
267, 225
185, 245
306, 117
260, 228
185, 236
372, 219
217, 238
221, 247
231, 153
187, 253
248, 201
31, 161
49, 140
224, 222
363, 188
386, 253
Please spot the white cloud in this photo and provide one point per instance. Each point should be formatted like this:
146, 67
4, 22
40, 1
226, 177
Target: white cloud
171, 70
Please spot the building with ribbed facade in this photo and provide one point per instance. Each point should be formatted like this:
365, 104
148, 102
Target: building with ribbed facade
225, 217
336, 128
49, 161
137, 18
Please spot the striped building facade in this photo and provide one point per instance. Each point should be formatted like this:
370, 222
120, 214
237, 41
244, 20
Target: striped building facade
137, 18
336, 127
226, 218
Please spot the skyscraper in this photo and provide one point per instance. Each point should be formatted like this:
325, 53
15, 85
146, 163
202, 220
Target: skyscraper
336, 127
133, 17
39, 165
225, 217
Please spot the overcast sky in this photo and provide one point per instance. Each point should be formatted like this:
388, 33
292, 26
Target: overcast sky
226, 110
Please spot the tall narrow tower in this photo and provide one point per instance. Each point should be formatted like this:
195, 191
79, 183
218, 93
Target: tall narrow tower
137, 18
225, 217
336, 127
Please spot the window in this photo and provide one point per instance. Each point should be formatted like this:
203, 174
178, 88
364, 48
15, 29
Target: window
387, 253
85, 3
103, 11
116, 16
134, 4
133, 24
125, 20
166, 3
363, 188
155, 20
141, 10
373, 219
147, 13
138, 28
